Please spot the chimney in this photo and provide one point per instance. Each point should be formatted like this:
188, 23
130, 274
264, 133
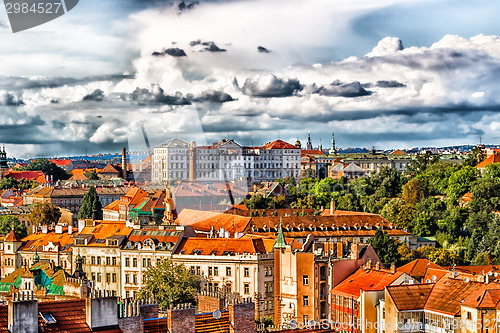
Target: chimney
23, 314
181, 319
377, 266
354, 251
124, 163
59, 229
101, 312
242, 317
44, 229
332, 207
70, 229
81, 225
368, 264
393, 268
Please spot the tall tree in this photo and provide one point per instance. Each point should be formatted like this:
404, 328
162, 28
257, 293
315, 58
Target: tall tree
385, 247
170, 284
92, 175
460, 181
413, 191
91, 206
475, 157
421, 162
6, 223
44, 213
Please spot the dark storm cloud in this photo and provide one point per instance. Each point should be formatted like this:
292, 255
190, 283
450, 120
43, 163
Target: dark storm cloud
262, 49
10, 100
213, 96
388, 84
186, 6
209, 46
157, 96
174, 52
271, 86
96, 96
339, 89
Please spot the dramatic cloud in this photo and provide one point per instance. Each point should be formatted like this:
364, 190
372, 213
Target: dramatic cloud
157, 96
9, 100
96, 96
339, 89
271, 86
174, 52
262, 49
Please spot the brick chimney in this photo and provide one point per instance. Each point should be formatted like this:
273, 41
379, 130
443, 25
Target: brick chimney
242, 317
368, 264
23, 314
102, 312
377, 266
332, 207
393, 268
354, 251
181, 319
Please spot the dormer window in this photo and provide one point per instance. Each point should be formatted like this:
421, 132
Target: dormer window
48, 318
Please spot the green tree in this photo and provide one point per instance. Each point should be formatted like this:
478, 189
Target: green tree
257, 201
8, 183
444, 257
421, 162
309, 202
348, 201
6, 223
413, 191
308, 173
91, 175
91, 206
44, 213
387, 182
475, 157
278, 201
391, 210
427, 214
49, 168
492, 170
453, 222
170, 284
385, 247
460, 181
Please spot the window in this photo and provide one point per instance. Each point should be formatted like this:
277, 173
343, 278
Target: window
108, 277
268, 271
305, 300
305, 280
228, 271
127, 262
469, 315
135, 278
268, 286
246, 288
113, 261
305, 318
127, 294
134, 262
246, 272
198, 270
127, 278
92, 260
148, 262
98, 277
143, 262
98, 260
216, 271
108, 261
114, 278
210, 270
93, 276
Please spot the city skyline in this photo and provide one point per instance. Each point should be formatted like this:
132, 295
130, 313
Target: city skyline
396, 74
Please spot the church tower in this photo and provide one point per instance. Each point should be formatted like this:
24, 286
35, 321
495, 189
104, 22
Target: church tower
309, 144
334, 150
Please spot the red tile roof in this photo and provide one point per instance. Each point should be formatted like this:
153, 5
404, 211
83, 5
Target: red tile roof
495, 158
61, 162
105, 229
365, 279
410, 296
70, 317
304, 152
37, 176
279, 144
218, 246
418, 267
12, 237
485, 298
109, 169
35, 242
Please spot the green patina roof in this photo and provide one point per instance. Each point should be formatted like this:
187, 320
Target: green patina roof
44, 277
280, 240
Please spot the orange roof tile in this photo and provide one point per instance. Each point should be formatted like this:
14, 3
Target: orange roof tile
304, 152
61, 162
35, 242
37, 176
365, 279
448, 293
12, 237
105, 229
485, 298
219, 246
279, 144
109, 169
410, 296
418, 267
495, 158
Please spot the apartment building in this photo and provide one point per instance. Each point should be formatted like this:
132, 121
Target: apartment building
241, 266
224, 161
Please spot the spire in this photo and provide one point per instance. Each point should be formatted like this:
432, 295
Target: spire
280, 240
36, 257
334, 150
320, 145
309, 144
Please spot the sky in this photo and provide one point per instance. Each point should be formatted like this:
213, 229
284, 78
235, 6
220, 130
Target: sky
123, 73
